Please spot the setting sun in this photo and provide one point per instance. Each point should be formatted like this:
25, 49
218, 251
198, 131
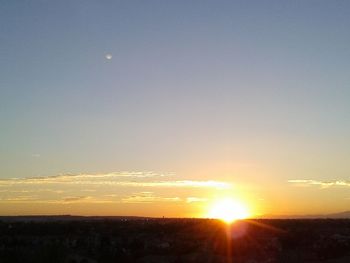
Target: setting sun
228, 210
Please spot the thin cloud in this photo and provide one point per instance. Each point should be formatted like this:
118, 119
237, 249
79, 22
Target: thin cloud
148, 197
185, 183
81, 178
20, 198
195, 199
322, 184
74, 198
131, 179
103, 188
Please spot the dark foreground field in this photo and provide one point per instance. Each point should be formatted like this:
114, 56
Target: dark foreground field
83, 240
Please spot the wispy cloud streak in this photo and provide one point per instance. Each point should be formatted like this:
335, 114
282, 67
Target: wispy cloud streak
322, 184
116, 187
195, 199
121, 179
148, 197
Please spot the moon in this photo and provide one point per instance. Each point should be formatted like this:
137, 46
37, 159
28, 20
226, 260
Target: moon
108, 56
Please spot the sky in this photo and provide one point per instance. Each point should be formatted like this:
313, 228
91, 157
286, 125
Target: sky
159, 108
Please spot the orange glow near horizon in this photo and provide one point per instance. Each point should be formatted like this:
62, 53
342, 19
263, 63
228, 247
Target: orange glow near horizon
228, 210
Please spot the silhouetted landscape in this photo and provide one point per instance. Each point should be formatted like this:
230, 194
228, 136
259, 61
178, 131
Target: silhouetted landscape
69, 239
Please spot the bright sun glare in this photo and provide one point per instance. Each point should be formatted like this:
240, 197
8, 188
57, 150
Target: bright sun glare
228, 210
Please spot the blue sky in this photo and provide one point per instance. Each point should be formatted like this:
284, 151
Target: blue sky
243, 91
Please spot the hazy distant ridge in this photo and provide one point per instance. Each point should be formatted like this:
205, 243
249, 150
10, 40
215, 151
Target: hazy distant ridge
340, 215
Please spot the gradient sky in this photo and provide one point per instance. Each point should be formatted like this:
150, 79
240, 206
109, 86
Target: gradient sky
201, 99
